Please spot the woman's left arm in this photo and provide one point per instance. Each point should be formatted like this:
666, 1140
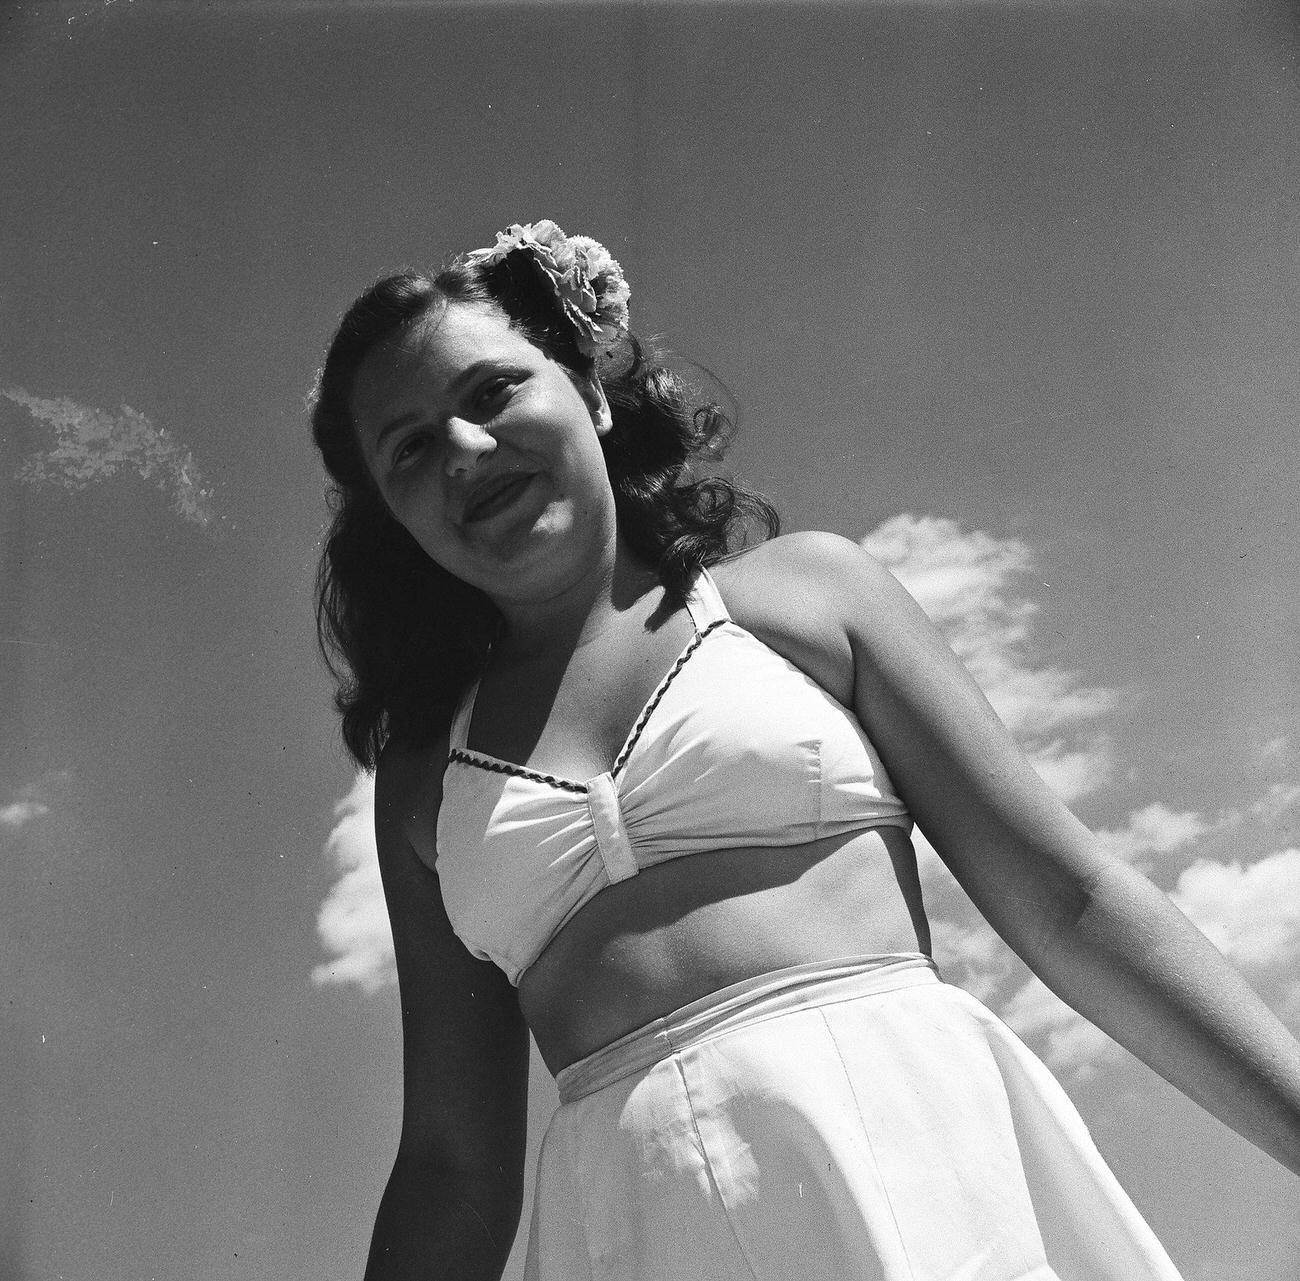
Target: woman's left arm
1098, 933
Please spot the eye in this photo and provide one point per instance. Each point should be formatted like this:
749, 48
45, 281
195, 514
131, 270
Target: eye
492, 392
409, 448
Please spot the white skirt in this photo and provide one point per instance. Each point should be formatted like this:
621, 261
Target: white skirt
854, 1120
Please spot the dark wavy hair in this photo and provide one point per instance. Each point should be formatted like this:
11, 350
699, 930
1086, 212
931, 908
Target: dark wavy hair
401, 635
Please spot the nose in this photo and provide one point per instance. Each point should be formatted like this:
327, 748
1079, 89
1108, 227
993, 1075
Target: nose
467, 444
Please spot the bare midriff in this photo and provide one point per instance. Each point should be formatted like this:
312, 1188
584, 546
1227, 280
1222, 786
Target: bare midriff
692, 925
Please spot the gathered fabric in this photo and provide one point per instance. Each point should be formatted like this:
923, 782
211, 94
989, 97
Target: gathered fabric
849, 1120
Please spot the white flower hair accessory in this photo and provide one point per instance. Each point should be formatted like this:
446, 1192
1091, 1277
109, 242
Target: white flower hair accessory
583, 275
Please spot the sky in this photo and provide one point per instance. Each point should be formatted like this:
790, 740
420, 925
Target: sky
1008, 292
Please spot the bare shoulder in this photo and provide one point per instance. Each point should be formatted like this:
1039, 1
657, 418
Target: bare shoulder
815, 558
804, 594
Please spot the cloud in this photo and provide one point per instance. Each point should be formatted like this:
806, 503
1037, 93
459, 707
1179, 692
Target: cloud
974, 587
977, 587
1152, 831
1065, 1040
1277, 752
34, 800
1157, 838
20, 813
968, 952
1279, 803
92, 445
353, 921
1251, 912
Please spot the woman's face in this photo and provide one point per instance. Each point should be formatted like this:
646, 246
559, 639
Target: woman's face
487, 451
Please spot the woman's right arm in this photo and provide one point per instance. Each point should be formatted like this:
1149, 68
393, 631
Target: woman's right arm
451, 1207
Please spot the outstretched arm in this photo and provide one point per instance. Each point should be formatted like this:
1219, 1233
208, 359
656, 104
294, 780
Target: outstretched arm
1099, 934
451, 1207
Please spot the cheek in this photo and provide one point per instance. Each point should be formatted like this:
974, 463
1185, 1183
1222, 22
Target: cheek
414, 492
424, 524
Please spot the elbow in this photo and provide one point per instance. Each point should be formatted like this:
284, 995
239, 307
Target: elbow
1116, 921
1047, 924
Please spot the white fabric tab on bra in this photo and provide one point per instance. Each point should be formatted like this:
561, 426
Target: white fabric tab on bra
607, 822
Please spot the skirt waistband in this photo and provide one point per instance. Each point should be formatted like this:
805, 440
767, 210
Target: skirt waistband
741, 1004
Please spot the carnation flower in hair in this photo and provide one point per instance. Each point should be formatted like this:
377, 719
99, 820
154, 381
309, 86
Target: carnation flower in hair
583, 277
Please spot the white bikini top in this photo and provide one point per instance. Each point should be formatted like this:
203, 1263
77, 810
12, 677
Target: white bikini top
736, 747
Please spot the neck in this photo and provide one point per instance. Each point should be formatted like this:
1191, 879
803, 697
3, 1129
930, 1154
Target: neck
579, 612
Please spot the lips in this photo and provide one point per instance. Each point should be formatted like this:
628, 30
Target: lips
493, 494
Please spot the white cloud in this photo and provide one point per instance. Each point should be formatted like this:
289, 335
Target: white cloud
91, 445
970, 953
20, 813
1277, 752
1154, 830
34, 800
353, 920
974, 587
977, 589
1157, 837
1251, 913
1278, 803
1066, 1041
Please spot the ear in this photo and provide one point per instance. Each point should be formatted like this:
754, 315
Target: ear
594, 394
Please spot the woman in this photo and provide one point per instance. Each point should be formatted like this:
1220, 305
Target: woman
658, 814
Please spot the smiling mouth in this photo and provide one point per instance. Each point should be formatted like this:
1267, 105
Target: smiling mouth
495, 496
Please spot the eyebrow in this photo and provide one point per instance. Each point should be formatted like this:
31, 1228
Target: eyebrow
455, 385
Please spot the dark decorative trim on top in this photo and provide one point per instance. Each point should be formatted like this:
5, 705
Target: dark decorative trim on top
504, 767
494, 766
660, 692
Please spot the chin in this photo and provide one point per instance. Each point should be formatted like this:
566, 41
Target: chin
558, 551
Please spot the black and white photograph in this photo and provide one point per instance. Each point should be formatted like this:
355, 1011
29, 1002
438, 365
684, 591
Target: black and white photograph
650, 640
